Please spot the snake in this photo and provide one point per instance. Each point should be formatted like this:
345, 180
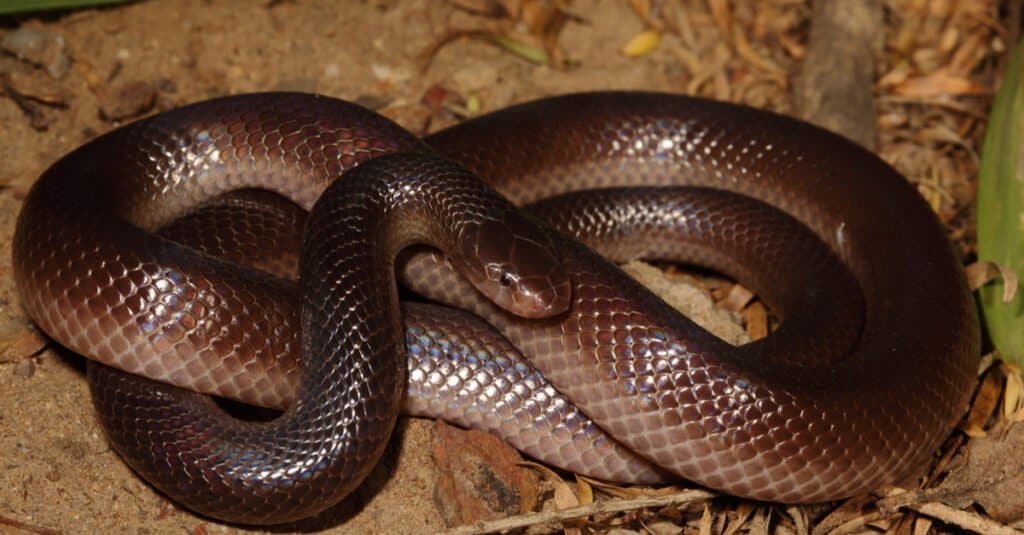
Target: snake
871, 366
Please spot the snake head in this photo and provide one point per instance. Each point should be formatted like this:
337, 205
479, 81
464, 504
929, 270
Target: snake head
514, 263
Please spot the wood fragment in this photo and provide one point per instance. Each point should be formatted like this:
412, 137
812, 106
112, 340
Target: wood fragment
19, 525
964, 519
583, 511
834, 88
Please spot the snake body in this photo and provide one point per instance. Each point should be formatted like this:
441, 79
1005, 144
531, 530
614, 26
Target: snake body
842, 398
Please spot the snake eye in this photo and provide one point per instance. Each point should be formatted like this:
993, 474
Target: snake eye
505, 280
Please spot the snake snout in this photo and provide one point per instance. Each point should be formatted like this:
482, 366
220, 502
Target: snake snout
517, 268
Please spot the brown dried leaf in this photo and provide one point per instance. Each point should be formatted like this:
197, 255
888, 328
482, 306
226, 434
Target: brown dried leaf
707, 520
737, 298
755, 317
722, 14
897, 75
992, 475
546, 19
747, 52
967, 57
983, 272
985, 402
850, 510
585, 491
940, 83
743, 513
793, 47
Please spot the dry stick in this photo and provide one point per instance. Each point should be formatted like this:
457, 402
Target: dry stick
17, 524
582, 511
964, 519
834, 86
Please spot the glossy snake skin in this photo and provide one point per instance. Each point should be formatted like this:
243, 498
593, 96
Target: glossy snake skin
848, 394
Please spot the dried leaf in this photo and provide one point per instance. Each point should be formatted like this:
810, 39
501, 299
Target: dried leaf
1012, 407
743, 513
737, 298
747, 52
707, 520
992, 475
755, 317
984, 405
584, 491
940, 83
922, 525
522, 49
793, 46
541, 16
722, 15
983, 272
897, 75
564, 495
642, 43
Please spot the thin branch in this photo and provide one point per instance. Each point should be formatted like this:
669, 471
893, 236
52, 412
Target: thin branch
582, 511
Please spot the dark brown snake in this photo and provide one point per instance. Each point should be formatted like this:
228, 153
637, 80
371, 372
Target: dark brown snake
871, 368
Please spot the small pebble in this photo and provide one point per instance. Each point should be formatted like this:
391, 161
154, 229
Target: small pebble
125, 100
25, 368
166, 85
19, 339
45, 49
38, 86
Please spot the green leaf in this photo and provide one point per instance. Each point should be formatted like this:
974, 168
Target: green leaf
22, 6
1001, 209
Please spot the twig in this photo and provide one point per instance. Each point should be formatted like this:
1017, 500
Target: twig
582, 511
17, 524
964, 519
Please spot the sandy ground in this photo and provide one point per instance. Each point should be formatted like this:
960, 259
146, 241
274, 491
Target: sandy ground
56, 469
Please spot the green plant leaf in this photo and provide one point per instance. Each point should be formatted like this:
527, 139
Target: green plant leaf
1001, 208
24, 6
